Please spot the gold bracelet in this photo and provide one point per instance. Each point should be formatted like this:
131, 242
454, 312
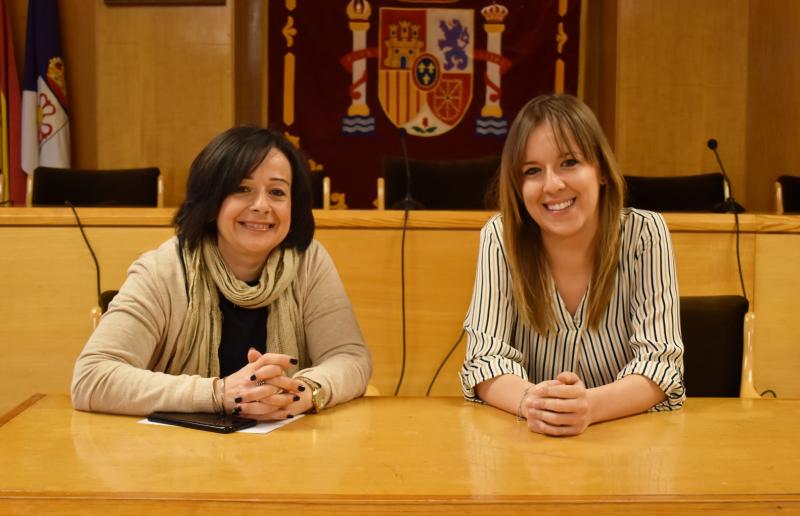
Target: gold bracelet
522, 399
214, 397
222, 401
217, 401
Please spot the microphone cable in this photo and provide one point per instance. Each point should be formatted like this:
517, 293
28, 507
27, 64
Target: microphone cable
89, 246
403, 297
446, 358
730, 204
739, 256
406, 207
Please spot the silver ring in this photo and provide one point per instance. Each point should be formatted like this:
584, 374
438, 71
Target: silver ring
261, 382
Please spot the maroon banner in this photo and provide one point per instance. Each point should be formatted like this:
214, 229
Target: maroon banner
346, 75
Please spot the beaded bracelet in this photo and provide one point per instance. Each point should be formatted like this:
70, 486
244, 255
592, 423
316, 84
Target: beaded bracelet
522, 399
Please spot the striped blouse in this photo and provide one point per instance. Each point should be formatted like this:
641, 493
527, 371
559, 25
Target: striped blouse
638, 334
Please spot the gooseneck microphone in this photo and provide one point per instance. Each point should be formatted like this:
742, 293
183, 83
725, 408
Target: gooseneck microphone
407, 202
729, 205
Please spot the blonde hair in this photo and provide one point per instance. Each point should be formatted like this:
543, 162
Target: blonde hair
572, 122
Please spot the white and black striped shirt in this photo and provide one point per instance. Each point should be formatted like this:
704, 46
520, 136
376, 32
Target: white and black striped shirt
638, 334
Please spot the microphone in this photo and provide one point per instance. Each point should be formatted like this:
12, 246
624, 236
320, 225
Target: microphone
407, 202
729, 205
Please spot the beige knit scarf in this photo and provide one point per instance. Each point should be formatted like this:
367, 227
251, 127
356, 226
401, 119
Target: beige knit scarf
207, 275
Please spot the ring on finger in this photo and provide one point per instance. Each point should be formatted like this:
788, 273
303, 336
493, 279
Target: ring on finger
261, 382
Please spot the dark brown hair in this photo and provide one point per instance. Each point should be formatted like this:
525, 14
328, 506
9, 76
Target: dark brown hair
219, 170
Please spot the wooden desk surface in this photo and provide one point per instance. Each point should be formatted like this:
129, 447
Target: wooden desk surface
379, 219
391, 455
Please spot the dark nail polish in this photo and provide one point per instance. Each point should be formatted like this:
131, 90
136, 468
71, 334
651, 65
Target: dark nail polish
253, 378
236, 411
296, 398
289, 416
301, 388
238, 399
294, 361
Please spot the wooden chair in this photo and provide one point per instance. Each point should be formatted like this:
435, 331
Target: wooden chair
49, 186
699, 192
321, 188
787, 194
438, 185
718, 340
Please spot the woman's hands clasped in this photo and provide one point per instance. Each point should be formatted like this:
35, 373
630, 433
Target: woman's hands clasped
557, 407
262, 391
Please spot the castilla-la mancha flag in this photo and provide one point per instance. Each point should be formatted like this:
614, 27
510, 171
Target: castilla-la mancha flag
45, 121
13, 179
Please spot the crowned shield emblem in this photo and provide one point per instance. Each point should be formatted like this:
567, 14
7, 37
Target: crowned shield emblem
425, 67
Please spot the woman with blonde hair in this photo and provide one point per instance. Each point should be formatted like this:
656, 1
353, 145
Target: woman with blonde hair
574, 316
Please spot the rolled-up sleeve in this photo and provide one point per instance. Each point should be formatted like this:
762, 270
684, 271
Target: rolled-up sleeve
655, 315
491, 317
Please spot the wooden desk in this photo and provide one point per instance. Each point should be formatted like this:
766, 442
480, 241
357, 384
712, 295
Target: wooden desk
47, 284
406, 455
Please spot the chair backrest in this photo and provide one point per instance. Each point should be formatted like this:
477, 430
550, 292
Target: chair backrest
321, 190
122, 187
789, 198
105, 299
700, 192
713, 337
440, 185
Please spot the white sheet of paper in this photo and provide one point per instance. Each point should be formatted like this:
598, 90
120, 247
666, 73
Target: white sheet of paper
261, 428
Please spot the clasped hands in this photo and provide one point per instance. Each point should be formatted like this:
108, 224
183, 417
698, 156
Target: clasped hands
262, 391
557, 407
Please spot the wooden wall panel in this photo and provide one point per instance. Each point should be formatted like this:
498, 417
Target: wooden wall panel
599, 47
148, 85
682, 79
48, 282
47, 278
773, 107
776, 361
78, 40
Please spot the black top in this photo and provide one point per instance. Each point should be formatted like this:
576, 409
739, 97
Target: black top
242, 329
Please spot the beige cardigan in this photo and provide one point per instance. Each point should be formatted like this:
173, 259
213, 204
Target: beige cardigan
121, 368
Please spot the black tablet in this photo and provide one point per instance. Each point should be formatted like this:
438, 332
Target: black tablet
210, 422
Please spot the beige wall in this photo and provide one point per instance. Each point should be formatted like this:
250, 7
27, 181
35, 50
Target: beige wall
147, 85
773, 107
682, 79
687, 71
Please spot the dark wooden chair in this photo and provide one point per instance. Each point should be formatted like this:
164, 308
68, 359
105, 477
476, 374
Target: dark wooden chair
438, 185
700, 192
787, 194
717, 337
49, 186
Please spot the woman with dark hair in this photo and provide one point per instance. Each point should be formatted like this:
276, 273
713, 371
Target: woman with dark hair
242, 312
574, 316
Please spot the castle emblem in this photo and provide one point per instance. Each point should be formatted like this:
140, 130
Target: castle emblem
425, 69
